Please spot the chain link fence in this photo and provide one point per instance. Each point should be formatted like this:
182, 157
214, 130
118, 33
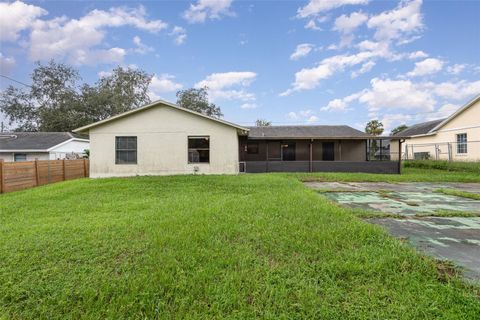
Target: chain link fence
450, 151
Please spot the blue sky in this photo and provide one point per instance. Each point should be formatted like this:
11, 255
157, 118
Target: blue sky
290, 62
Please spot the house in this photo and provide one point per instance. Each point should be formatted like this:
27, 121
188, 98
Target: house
163, 139
28, 146
456, 138
324, 148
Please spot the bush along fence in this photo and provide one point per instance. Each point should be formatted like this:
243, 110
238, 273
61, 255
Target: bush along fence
16, 176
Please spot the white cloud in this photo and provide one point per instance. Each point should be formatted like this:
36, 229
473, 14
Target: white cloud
103, 74
307, 116
340, 104
207, 9
249, 106
164, 83
391, 121
366, 67
456, 68
6, 64
315, 7
444, 111
396, 94
458, 90
229, 85
141, 47
426, 67
415, 101
93, 57
312, 25
292, 115
302, 116
180, 35
15, 17
398, 23
335, 105
78, 40
347, 24
309, 78
301, 51
417, 55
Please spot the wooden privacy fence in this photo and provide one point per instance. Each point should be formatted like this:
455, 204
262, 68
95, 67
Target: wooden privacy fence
27, 174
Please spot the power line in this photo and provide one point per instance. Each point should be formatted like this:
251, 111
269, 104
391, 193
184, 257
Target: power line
11, 79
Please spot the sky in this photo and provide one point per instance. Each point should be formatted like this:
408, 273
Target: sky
289, 62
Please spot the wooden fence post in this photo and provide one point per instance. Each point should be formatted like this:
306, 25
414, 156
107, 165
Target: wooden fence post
37, 174
64, 175
84, 167
2, 177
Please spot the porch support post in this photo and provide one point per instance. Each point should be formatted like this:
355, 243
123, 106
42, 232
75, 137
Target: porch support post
311, 155
266, 155
340, 150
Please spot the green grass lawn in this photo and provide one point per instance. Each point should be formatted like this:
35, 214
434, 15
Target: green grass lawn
225, 247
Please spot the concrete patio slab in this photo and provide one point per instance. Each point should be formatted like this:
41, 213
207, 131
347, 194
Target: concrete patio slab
455, 239
402, 186
405, 203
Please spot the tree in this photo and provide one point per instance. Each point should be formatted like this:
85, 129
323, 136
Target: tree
374, 127
399, 129
262, 123
57, 102
197, 100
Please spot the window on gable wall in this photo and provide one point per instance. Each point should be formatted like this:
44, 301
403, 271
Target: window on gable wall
199, 149
125, 150
462, 143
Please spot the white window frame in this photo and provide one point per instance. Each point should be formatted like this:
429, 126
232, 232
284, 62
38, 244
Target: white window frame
462, 145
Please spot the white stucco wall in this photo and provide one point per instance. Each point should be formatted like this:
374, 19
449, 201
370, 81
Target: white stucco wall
466, 122
162, 144
31, 156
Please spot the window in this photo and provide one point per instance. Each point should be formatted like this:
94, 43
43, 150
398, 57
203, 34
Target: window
198, 149
252, 147
125, 150
20, 157
462, 143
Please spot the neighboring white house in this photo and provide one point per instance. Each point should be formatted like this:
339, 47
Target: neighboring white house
454, 138
162, 139
28, 146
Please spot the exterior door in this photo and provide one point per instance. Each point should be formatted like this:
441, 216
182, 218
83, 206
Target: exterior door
328, 153
288, 151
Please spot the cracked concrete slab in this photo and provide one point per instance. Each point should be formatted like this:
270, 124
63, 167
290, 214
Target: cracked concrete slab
455, 239
405, 203
401, 186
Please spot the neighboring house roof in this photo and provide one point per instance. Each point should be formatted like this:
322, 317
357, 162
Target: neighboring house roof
307, 132
431, 127
419, 129
35, 141
157, 104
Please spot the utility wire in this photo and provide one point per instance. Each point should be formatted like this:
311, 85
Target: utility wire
11, 79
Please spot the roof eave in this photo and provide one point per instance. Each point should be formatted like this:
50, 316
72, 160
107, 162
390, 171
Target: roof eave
456, 113
307, 138
151, 105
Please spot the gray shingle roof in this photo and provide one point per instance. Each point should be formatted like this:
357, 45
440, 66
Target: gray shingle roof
420, 128
34, 140
307, 132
